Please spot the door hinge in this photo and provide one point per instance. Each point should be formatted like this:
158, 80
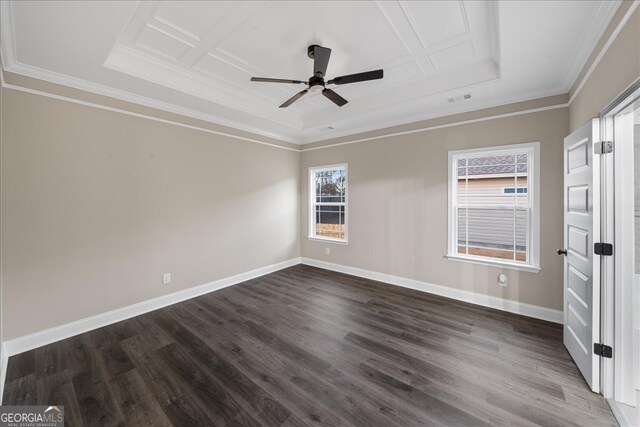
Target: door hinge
603, 350
603, 147
604, 249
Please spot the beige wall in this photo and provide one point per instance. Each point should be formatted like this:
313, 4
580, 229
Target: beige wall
397, 196
619, 67
96, 205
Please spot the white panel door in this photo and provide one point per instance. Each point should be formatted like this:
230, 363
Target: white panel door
581, 273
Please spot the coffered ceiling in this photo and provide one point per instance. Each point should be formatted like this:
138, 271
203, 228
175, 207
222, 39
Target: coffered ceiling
196, 58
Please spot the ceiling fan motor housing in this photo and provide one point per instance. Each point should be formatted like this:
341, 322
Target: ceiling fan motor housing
310, 50
316, 84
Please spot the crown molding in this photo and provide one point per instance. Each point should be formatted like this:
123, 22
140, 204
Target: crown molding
75, 83
301, 149
603, 16
9, 62
125, 60
8, 46
447, 125
143, 116
416, 118
603, 51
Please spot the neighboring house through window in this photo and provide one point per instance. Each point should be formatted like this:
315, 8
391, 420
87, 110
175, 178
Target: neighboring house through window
493, 206
328, 203
514, 190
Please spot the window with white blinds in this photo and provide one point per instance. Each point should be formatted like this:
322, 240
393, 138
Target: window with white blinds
493, 212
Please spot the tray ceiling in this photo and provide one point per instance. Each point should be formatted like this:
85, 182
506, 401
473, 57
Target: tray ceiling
196, 58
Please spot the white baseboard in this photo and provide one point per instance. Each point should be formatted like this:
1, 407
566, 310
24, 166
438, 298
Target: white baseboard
37, 339
3, 372
626, 416
524, 309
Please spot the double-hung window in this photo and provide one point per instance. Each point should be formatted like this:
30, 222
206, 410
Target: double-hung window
328, 203
494, 206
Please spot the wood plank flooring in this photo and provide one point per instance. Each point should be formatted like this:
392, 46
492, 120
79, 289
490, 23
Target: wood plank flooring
305, 346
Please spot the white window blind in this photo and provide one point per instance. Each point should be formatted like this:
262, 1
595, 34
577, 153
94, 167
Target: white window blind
492, 213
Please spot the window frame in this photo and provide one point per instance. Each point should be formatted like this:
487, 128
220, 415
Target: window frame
533, 192
311, 222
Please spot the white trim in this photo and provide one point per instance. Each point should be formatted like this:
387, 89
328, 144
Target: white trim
624, 414
57, 333
586, 77
606, 294
530, 310
13, 66
126, 60
8, 48
604, 14
532, 149
620, 325
143, 116
429, 128
37, 339
72, 82
493, 263
328, 240
186, 114
605, 48
624, 259
3, 371
600, 180
311, 203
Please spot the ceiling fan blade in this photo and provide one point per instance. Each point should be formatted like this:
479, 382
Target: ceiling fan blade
337, 99
268, 80
320, 60
359, 77
294, 98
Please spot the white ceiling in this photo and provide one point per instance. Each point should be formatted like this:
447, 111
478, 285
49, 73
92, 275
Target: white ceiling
196, 58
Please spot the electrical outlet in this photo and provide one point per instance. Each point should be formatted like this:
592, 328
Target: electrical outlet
327, 251
502, 280
166, 278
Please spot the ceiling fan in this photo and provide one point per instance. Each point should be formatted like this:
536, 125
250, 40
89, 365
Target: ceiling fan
316, 83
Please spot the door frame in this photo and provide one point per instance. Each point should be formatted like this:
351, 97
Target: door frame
616, 285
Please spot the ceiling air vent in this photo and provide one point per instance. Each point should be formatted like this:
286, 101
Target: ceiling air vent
460, 98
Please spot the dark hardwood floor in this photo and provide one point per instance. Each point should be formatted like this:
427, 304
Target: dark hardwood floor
305, 346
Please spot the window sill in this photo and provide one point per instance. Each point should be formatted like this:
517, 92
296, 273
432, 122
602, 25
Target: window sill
327, 240
492, 263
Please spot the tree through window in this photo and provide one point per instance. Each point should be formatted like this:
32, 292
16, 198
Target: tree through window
328, 202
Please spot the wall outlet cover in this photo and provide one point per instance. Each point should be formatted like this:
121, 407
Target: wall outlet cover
502, 280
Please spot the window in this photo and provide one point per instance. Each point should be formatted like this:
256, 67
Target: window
493, 206
512, 190
328, 203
